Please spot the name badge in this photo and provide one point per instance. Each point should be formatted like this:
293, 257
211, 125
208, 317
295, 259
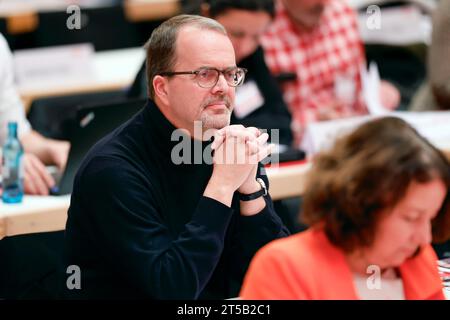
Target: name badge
248, 99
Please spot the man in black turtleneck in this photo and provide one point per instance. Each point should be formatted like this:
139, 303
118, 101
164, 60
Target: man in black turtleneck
147, 222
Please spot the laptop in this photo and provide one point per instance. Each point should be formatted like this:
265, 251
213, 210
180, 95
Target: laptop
93, 122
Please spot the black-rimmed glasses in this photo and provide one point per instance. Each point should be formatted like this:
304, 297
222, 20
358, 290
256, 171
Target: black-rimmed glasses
208, 77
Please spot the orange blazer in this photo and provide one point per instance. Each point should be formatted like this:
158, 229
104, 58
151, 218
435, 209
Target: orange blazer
308, 266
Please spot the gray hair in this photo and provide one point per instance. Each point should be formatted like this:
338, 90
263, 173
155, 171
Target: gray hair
161, 46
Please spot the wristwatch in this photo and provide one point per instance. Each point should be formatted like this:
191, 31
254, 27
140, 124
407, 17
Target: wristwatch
255, 195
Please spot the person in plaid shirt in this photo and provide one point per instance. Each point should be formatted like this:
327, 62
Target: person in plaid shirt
318, 41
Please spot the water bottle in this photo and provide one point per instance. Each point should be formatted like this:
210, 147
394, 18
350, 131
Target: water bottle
12, 170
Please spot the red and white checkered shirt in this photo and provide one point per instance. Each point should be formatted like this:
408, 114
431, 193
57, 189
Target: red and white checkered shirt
324, 58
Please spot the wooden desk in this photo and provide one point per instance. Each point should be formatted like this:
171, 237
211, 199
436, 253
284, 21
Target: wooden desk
447, 153
45, 214
287, 180
148, 10
23, 17
34, 214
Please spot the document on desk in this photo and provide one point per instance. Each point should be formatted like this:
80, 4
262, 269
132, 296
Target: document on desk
400, 25
370, 80
444, 272
435, 126
53, 67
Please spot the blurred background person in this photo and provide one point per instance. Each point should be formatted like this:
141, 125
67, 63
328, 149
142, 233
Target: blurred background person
318, 42
39, 151
259, 101
372, 211
435, 94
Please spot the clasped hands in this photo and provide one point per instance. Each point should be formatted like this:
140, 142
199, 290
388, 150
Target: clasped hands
237, 152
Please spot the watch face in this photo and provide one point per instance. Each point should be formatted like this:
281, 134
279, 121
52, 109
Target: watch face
263, 184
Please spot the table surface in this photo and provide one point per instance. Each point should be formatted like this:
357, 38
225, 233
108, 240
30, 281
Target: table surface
22, 16
44, 214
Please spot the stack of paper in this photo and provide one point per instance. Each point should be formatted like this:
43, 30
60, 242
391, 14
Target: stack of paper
401, 25
434, 126
444, 272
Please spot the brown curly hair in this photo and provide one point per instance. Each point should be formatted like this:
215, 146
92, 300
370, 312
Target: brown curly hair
367, 171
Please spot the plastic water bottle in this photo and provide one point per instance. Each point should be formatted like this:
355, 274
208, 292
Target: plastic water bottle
12, 169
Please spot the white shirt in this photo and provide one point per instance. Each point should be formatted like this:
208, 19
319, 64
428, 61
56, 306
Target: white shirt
390, 287
11, 107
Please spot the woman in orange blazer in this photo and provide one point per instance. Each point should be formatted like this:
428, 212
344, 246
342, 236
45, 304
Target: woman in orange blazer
374, 202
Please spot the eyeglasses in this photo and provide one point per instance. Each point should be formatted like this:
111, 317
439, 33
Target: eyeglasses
208, 77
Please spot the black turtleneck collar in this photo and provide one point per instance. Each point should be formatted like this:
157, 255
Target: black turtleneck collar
161, 129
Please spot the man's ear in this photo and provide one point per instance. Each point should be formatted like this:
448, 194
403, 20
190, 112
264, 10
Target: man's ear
204, 10
161, 88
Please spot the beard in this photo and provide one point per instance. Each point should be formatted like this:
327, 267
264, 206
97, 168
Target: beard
216, 119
